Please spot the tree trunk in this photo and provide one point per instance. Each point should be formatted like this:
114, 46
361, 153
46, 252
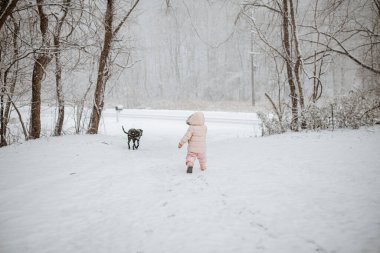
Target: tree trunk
58, 71
314, 96
298, 64
60, 97
35, 115
3, 91
100, 83
286, 44
38, 71
3, 141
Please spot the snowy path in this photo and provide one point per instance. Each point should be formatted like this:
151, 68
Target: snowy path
315, 192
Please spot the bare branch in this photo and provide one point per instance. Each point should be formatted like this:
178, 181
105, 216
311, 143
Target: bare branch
344, 51
125, 18
6, 10
262, 5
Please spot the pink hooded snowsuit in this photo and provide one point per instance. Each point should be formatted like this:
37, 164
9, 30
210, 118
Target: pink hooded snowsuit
196, 138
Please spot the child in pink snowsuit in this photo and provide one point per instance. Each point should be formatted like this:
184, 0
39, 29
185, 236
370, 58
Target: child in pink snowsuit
196, 138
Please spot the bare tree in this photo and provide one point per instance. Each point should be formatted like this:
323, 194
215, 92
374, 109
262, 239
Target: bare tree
16, 33
8, 90
290, 56
103, 69
58, 66
298, 60
289, 68
15, 51
43, 57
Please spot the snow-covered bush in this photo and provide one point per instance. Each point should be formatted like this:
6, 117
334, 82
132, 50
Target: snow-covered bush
358, 108
316, 118
270, 125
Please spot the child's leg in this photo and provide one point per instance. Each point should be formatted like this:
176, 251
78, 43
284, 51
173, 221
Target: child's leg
202, 160
190, 158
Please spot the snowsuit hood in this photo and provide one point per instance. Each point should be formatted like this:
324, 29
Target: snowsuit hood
196, 119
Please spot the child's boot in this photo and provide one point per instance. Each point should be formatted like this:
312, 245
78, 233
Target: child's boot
189, 167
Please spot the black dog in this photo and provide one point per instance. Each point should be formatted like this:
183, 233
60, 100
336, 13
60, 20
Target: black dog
134, 135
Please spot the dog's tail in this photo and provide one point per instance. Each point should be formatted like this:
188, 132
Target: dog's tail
124, 130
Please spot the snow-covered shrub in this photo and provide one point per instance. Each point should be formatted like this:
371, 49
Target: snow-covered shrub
356, 109
316, 118
270, 124
359, 108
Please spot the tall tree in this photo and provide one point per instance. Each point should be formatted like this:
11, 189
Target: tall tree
289, 67
42, 59
298, 61
104, 65
58, 66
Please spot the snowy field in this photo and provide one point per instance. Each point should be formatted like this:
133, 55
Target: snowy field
297, 192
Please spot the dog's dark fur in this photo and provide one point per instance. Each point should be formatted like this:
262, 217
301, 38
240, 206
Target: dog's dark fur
134, 135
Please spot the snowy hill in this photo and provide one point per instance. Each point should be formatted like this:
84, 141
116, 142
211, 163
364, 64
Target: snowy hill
297, 192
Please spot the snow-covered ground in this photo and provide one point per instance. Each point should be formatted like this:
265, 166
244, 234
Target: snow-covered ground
297, 192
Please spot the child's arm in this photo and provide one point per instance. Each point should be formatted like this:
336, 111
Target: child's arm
186, 137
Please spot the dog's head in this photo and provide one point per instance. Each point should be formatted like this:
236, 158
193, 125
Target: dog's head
135, 133
140, 131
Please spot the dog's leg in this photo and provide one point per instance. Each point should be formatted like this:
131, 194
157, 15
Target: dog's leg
129, 139
134, 144
138, 144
